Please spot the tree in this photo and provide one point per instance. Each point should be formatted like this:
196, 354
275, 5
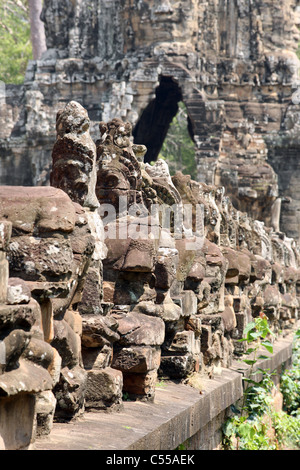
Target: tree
38, 38
15, 45
22, 37
178, 148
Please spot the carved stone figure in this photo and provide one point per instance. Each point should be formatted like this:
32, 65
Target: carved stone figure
157, 277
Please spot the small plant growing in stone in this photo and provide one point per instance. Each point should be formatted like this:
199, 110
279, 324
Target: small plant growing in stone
256, 334
257, 426
290, 382
245, 430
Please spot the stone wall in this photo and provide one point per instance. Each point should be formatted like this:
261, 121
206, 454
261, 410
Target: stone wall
120, 274
232, 63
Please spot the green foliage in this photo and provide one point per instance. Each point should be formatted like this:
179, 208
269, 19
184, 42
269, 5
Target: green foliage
256, 334
178, 148
290, 382
257, 426
15, 43
241, 433
287, 430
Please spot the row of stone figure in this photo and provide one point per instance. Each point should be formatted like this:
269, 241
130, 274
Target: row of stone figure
88, 314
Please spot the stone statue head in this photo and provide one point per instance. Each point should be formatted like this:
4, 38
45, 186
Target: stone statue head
74, 156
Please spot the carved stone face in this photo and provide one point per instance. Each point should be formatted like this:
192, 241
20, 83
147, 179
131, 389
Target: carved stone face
74, 156
57, 17
159, 22
119, 172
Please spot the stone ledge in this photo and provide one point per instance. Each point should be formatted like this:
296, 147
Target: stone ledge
178, 413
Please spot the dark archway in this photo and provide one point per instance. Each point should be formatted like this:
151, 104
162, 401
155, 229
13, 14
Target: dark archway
153, 125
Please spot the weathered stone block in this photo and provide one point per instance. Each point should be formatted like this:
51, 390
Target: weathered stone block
136, 359
176, 367
40, 259
138, 329
183, 342
70, 393
189, 303
98, 331
92, 294
67, 343
45, 209
140, 385
97, 358
5, 234
18, 292
104, 388
28, 378
4, 274
229, 319
19, 413
45, 408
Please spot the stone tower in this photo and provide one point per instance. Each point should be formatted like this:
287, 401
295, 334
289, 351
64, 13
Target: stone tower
232, 62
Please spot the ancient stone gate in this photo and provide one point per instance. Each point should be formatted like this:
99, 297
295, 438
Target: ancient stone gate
233, 63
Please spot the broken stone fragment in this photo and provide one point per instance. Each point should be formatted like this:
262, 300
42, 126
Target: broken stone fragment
132, 288
67, 343
97, 358
70, 393
93, 291
136, 359
45, 409
104, 389
140, 256
139, 329
228, 315
99, 331
140, 385
25, 316
40, 259
19, 412
165, 267
18, 292
36, 209
184, 342
229, 319
260, 267
5, 234
28, 378
177, 367
15, 344
40, 353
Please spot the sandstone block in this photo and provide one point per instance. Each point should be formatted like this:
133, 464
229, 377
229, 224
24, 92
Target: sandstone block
183, 342
104, 388
98, 331
67, 343
70, 392
175, 367
40, 259
5, 234
97, 358
229, 319
136, 359
189, 303
19, 412
28, 378
4, 274
45, 209
140, 330
18, 292
21, 316
141, 385
45, 408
